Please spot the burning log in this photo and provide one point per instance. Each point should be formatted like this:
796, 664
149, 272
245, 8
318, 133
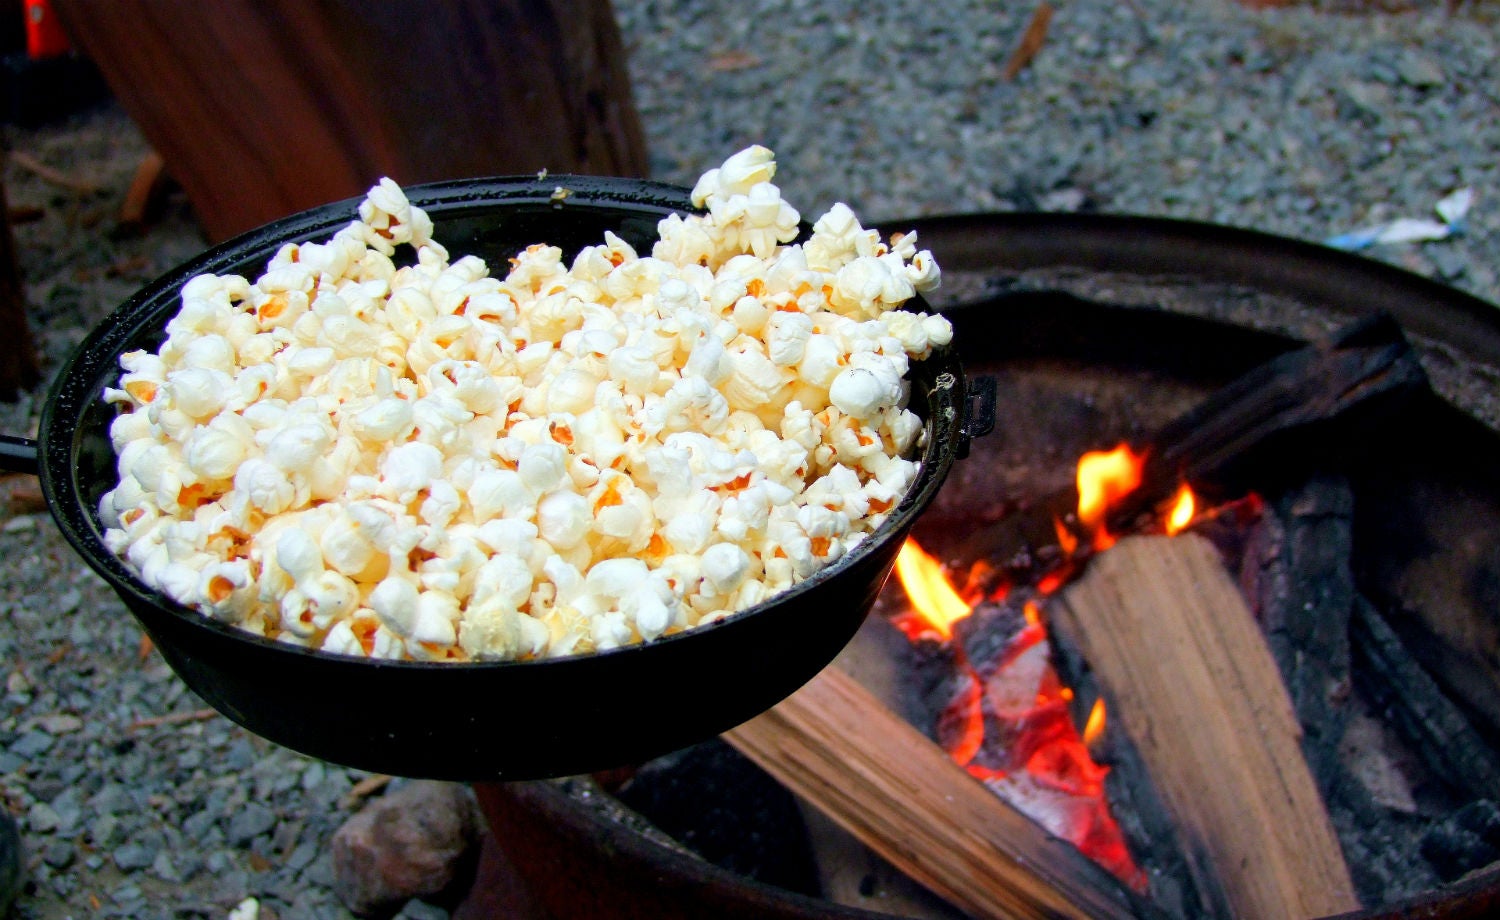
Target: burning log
837, 746
1298, 400
1189, 678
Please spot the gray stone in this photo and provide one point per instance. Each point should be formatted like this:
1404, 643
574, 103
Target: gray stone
59, 854
1417, 69
132, 856
104, 831
32, 744
302, 857
1450, 263
241, 756
250, 822
164, 868
320, 871
42, 818
199, 824
69, 811
127, 894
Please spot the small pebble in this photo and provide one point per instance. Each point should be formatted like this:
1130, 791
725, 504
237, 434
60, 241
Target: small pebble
59, 854
249, 823
132, 856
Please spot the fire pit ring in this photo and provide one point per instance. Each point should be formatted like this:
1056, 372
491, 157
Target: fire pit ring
1027, 253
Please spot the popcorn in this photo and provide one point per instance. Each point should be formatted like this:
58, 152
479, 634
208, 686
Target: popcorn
434, 463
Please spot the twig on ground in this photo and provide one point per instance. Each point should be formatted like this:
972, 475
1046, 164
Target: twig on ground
51, 174
174, 718
364, 789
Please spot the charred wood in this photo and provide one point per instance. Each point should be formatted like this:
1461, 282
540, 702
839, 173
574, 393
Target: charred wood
1403, 691
1469, 839
1297, 578
1305, 403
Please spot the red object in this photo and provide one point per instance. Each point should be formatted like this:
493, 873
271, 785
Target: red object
44, 32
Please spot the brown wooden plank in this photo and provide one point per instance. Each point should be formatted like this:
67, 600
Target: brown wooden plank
261, 108
877, 777
1190, 679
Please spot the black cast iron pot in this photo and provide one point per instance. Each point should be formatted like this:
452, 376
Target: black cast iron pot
506, 720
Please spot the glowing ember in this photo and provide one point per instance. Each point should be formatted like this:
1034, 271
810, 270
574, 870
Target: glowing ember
1066, 540
1008, 721
1184, 507
1094, 727
932, 596
1104, 477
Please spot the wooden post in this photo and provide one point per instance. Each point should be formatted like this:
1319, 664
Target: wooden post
18, 362
262, 108
1187, 674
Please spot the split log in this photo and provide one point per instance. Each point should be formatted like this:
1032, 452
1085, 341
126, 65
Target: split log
1303, 402
1188, 677
836, 746
261, 108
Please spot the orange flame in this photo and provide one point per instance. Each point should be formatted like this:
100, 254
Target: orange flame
1104, 477
932, 595
1094, 727
1066, 541
1184, 506
1037, 744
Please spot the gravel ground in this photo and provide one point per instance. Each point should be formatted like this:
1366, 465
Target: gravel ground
1306, 121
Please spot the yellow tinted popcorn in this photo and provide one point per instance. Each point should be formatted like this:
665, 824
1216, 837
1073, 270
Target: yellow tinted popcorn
439, 463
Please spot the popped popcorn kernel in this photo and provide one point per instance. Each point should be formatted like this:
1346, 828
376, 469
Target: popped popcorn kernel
445, 462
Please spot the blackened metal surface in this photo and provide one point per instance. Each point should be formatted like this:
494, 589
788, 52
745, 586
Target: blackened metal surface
1338, 283
1241, 277
720, 805
582, 861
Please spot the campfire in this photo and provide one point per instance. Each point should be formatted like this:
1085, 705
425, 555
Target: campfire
1116, 697
1009, 720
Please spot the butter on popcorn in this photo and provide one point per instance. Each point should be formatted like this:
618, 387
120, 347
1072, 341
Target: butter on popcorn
434, 463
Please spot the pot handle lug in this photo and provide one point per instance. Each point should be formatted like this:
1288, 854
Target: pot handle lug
18, 455
979, 412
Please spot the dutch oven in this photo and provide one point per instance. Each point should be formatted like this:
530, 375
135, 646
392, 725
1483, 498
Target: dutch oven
473, 721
